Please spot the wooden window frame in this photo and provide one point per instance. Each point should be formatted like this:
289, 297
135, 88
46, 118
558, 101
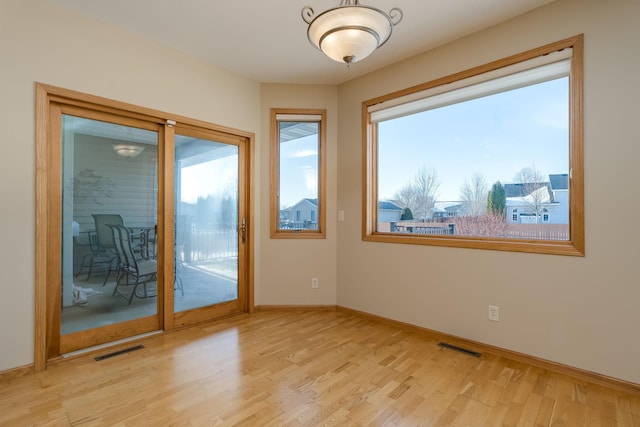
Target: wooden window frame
575, 246
276, 232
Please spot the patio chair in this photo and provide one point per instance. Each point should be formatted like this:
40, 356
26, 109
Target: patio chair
150, 241
105, 241
149, 252
135, 271
101, 245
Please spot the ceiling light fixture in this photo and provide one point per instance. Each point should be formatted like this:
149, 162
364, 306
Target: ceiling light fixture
128, 150
350, 32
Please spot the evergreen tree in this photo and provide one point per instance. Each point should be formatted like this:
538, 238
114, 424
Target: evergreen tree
407, 215
497, 199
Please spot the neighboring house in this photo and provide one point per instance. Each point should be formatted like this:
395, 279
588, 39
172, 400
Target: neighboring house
539, 202
389, 212
303, 214
560, 190
443, 211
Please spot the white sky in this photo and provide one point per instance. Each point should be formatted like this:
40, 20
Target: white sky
214, 177
298, 170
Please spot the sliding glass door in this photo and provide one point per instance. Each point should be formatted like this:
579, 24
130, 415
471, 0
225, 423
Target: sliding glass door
208, 225
142, 225
109, 180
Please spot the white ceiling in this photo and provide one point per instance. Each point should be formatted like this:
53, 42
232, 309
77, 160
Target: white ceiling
266, 40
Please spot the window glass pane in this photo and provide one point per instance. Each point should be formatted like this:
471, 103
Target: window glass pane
299, 175
109, 179
206, 219
462, 168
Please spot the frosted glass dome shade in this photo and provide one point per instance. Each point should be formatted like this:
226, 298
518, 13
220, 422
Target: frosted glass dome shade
128, 150
350, 45
350, 33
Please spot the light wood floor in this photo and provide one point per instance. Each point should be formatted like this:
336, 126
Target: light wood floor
305, 369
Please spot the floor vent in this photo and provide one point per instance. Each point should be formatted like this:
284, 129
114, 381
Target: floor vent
460, 349
119, 352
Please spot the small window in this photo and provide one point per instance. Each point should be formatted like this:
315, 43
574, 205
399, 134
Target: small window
480, 158
298, 173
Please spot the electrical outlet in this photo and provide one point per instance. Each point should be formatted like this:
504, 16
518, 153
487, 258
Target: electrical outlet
314, 283
340, 215
494, 313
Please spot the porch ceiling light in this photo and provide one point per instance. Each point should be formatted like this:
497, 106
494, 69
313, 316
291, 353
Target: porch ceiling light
128, 150
350, 32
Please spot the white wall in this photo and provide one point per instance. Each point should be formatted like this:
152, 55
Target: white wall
289, 264
583, 312
40, 42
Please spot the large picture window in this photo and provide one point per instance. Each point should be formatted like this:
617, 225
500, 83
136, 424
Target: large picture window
489, 158
297, 183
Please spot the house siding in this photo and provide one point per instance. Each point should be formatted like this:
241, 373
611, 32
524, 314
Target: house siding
303, 214
102, 183
386, 215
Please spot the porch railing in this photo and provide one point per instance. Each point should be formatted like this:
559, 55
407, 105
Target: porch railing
203, 244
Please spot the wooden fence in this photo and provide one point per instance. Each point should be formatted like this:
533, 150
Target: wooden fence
537, 231
509, 231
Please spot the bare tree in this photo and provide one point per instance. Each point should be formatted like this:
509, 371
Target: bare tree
527, 175
474, 194
419, 195
406, 197
534, 190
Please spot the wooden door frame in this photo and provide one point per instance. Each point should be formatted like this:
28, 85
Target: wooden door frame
61, 344
47, 165
199, 314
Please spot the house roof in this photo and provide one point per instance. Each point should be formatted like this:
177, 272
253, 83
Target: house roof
313, 202
447, 208
542, 195
455, 208
523, 189
559, 181
388, 206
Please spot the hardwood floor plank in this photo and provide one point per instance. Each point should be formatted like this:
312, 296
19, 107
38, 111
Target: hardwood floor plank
295, 368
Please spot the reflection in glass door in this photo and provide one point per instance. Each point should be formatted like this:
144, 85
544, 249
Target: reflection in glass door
109, 217
206, 223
